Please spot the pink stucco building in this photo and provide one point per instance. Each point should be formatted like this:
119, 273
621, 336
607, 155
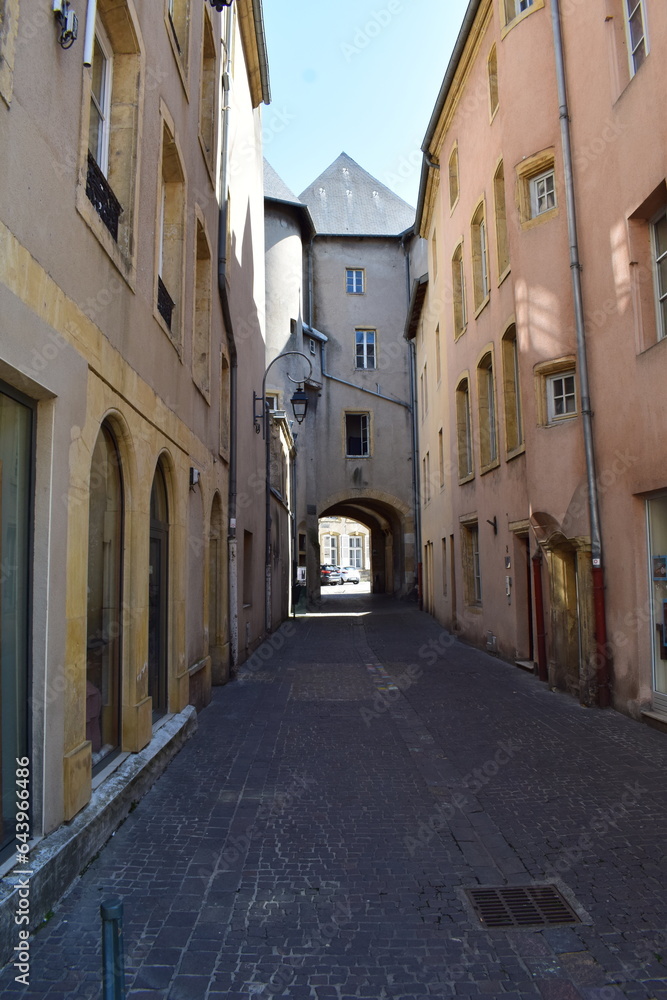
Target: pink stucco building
540, 340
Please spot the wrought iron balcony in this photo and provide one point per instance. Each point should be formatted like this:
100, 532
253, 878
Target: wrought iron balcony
165, 303
102, 197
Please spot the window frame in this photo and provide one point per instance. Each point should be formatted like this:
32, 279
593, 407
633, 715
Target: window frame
454, 177
535, 211
489, 456
480, 257
355, 271
512, 14
550, 383
492, 75
366, 344
472, 565
514, 434
365, 434
500, 216
104, 111
464, 435
459, 291
530, 170
660, 296
627, 18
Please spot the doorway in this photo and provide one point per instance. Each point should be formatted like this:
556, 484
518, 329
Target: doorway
158, 595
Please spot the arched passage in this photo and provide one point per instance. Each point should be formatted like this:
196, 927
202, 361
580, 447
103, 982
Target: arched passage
391, 525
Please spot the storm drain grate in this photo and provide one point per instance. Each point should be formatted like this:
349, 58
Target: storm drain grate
521, 906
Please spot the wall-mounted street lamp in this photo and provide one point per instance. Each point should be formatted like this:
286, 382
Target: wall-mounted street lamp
220, 4
299, 399
299, 403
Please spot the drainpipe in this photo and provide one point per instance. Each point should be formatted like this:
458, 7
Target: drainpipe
542, 670
360, 388
415, 444
232, 544
603, 664
89, 37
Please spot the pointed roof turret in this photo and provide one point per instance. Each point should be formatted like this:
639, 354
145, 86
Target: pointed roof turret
347, 200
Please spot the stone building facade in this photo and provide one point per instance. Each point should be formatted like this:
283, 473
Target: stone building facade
339, 255
125, 477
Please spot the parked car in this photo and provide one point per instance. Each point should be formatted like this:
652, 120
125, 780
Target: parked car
330, 575
349, 574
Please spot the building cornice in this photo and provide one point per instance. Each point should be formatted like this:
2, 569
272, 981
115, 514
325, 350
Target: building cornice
251, 26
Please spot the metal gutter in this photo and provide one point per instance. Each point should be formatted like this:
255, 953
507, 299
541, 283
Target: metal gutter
260, 35
232, 554
603, 666
360, 388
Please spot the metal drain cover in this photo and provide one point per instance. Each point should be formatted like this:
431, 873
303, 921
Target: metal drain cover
521, 906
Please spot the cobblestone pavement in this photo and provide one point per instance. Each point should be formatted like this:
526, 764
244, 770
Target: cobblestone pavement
314, 838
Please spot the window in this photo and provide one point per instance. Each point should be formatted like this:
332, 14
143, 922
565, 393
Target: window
178, 19
16, 508
459, 292
9, 17
454, 176
100, 101
542, 193
111, 117
492, 69
464, 430
171, 237
424, 386
488, 428
354, 281
105, 604
247, 569
201, 339
311, 344
514, 8
441, 459
357, 443
480, 258
365, 349
471, 563
438, 368
659, 247
356, 551
502, 242
538, 200
512, 391
444, 567
426, 478
561, 396
636, 25
207, 94
330, 550
556, 390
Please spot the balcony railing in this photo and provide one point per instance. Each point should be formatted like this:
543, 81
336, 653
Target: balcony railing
102, 197
165, 303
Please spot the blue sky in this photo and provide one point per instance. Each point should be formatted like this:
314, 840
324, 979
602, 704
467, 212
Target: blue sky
355, 76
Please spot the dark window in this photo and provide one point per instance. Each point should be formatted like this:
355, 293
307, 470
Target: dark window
356, 434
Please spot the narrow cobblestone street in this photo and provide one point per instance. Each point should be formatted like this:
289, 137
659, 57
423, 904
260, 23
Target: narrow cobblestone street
314, 839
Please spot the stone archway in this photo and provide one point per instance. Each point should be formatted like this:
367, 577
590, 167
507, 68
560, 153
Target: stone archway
391, 524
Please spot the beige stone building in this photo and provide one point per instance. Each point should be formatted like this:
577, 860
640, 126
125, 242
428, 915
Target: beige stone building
131, 540
540, 337
337, 292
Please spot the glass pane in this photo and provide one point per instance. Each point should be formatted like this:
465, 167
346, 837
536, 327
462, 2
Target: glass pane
636, 28
104, 599
15, 499
657, 510
359, 335
660, 233
98, 74
663, 311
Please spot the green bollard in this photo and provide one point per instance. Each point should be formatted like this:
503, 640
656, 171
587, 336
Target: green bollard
113, 961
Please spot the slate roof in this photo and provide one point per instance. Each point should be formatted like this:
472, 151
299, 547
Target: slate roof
347, 200
275, 188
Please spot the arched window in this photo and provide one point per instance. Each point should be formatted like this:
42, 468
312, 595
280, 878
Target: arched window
104, 620
158, 595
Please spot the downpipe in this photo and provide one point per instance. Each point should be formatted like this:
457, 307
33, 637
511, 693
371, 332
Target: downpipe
232, 543
602, 659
